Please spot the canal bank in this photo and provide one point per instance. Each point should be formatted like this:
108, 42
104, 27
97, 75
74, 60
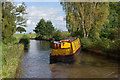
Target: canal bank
107, 55
35, 64
11, 55
104, 47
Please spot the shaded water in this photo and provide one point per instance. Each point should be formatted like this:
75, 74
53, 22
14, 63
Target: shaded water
35, 64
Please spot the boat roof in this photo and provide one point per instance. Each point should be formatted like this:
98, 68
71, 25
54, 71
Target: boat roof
70, 39
65, 40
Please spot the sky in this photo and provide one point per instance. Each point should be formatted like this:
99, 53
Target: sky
47, 10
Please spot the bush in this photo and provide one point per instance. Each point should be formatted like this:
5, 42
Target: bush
9, 40
86, 43
105, 44
111, 47
77, 34
115, 46
58, 35
26, 41
101, 44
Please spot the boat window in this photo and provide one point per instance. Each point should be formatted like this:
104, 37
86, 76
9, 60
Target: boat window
78, 43
65, 45
74, 45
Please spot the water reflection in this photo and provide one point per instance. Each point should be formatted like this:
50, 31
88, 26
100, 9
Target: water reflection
36, 65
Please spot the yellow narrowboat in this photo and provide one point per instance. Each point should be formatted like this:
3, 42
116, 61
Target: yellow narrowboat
64, 49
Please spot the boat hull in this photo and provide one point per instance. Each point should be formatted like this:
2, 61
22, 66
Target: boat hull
64, 58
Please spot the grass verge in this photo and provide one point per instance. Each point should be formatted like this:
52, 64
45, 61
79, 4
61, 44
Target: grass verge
10, 58
31, 36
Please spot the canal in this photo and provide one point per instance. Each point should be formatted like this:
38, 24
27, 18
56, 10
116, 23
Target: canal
35, 64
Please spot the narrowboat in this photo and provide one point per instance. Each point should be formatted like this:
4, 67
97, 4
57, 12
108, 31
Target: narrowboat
65, 49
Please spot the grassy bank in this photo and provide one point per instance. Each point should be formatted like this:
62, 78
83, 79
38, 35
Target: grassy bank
31, 36
11, 54
105, 47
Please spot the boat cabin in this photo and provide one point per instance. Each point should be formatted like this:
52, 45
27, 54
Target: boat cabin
65, 47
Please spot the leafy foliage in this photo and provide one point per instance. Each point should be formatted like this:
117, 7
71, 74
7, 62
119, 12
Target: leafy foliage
12, 16
86, 43
0, 38
85, 17
26, 41
96, 23
44, 29
110, 29
9, 40
20, 29
58, 35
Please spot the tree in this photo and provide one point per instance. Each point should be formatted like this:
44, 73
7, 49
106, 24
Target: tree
40, 28
49, 27
0, 23
44, 29
110, 30
85, 17
57, 35
100, 18
12, 16
20, 29
20, 11
8, 21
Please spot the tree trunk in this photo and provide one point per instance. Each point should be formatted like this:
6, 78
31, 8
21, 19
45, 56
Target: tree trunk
84, 33
87, 35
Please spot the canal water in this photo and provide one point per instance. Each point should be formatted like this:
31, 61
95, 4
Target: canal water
35, 64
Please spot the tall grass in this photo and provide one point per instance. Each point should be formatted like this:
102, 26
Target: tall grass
11, 54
